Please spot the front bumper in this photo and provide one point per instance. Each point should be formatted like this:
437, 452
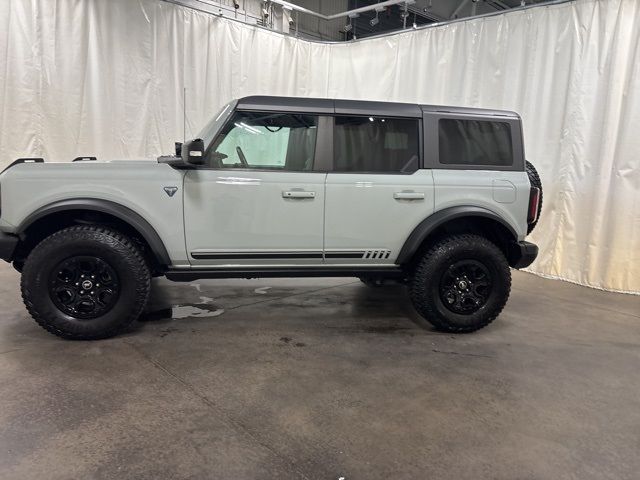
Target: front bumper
8, 244
522, 254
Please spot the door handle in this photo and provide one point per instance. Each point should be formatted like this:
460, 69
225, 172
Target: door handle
408, 195
298, 194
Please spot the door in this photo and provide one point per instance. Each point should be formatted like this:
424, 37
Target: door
258, 202
376, 193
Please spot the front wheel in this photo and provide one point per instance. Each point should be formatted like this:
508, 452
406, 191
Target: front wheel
461, 284
85, 283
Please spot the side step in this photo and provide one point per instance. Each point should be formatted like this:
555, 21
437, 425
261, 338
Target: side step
224, 272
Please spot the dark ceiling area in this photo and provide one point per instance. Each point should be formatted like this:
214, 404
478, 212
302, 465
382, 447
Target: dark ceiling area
420, 12
394, 17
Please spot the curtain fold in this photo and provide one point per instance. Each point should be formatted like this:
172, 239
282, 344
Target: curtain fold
107, 78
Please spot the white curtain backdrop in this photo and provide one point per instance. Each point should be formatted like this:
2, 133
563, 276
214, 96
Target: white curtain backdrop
106, 78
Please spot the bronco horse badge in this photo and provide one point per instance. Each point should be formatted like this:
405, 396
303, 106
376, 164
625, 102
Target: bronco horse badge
171, 191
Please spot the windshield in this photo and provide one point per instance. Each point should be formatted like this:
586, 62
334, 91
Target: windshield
211, 129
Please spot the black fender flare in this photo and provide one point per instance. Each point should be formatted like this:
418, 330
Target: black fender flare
429, 224
133, 219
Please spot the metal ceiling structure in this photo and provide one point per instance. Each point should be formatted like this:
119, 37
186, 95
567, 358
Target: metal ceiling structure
354, 19
364, 18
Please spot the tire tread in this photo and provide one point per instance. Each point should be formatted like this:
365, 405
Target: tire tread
418, 290
135, 256
534, 179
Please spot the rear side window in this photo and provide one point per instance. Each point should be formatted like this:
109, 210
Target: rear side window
475, 142
376, 144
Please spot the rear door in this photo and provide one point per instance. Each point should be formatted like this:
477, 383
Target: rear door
376, 192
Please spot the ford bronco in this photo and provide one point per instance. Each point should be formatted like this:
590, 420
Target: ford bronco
440, 198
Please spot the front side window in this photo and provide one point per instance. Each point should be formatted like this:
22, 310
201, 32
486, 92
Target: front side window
376, 144
266, 140
475, 142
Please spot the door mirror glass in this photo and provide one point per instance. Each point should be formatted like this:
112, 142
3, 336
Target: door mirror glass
193, 152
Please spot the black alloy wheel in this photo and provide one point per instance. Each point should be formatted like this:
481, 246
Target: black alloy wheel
465, 286
84, 287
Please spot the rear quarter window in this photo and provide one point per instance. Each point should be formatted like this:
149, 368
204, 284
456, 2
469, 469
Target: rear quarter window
474, 142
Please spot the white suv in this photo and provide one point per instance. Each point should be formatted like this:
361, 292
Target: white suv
438, 197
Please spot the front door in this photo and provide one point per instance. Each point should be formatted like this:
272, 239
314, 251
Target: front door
258, 202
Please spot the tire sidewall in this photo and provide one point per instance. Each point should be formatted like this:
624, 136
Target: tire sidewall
48, 255
499, 287
425, 288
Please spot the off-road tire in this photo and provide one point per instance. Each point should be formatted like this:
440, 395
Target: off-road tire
111, 247
535, 181
425, 284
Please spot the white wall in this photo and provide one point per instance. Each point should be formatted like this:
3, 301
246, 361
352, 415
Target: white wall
106, 78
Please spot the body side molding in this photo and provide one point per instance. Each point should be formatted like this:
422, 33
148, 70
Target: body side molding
135, 220
429, 224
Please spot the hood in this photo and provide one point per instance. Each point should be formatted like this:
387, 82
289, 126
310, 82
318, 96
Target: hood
84, 170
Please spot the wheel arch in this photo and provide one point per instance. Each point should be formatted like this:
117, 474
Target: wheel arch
92, 210
458, 219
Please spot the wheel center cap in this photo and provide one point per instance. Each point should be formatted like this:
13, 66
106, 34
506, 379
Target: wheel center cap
463, 285
87, 285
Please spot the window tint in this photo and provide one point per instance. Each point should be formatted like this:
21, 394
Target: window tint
266, 141
376, 144
475, 142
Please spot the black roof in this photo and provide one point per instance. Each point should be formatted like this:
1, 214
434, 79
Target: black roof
356, 107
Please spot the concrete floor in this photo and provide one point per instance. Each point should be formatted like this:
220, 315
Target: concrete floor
322, 379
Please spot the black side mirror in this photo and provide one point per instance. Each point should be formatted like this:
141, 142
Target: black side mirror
192, 152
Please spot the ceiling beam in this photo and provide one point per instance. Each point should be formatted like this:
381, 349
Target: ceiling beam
458, 9
348, 13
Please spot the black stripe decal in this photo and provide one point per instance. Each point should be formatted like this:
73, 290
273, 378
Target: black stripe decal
279, 255
344, 254
255, 256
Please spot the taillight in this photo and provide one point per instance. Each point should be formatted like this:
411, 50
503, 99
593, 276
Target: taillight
534, 201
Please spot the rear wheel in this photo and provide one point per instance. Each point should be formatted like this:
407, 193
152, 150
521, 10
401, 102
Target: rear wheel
85, 283
461, 284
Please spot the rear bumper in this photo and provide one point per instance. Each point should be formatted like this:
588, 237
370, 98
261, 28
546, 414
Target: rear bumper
8, 244
522, 254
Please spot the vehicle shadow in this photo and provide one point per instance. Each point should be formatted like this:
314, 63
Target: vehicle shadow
355, 306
